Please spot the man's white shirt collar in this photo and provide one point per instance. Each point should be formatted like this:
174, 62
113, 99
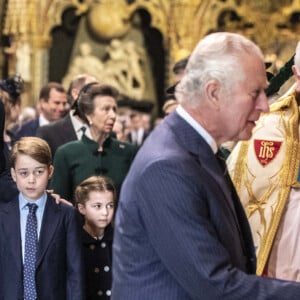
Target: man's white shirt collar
190, 120
43, 121
77, 124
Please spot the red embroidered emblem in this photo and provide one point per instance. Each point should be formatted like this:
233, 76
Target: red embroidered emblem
266, 151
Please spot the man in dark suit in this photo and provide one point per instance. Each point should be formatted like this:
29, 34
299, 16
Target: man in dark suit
139, 130
52, 106
70, 127
180, 229
137, 134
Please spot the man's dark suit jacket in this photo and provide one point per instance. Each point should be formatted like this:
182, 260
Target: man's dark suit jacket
57, 133
59, 268
180, 230
27, 129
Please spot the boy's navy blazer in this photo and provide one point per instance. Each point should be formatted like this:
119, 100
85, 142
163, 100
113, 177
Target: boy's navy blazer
59, 248
180, 230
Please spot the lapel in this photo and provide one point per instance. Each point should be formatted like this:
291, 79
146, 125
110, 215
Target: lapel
51, 218
68, 131
12, 231
197, 146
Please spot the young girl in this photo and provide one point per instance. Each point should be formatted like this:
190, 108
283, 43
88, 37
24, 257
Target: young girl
95, 198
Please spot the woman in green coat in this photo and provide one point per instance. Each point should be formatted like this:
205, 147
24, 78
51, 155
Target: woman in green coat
101, 155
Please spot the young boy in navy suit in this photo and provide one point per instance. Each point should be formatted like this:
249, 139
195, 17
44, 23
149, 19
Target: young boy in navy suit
40, 247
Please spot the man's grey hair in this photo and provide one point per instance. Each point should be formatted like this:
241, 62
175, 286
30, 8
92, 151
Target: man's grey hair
216, 57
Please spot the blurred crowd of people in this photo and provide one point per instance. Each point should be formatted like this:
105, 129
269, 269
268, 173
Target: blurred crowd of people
92, 135
181, 231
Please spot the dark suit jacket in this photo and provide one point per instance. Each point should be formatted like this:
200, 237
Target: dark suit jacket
180, 231
8, 189
59, 268
3, 156
27, 129
57, 133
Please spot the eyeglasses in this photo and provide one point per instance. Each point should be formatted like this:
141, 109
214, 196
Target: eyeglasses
37, 172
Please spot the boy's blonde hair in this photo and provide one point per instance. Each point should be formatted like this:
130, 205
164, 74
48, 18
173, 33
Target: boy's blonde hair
94, 184
35, 147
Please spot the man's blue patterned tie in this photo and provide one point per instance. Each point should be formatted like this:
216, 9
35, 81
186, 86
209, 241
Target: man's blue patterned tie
31, 240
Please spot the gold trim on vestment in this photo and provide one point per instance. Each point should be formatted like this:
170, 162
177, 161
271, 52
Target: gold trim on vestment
264, 189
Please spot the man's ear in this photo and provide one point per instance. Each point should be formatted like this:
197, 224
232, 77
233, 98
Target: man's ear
13, 174
297, 76
75, 93
297, 81
42, 102
213, 91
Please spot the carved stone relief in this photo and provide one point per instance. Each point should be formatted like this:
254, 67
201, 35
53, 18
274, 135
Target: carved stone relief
122, 69
274, 25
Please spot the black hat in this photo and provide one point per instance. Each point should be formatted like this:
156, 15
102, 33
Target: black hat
12, 85
143, 106
125, 102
